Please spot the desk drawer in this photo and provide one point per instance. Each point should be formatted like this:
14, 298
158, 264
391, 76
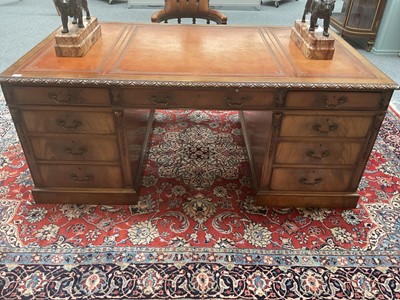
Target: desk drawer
68, 121
81, 176
158, 98
323, 180
76, 149
325, 126
333, 100
320, 152
240, 99
61, 95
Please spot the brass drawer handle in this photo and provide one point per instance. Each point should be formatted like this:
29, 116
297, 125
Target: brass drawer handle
162, 102
74, 125
317, 127
339, 101
313, 155
305, 181
85, 179
81, 150
61, 99
231, 103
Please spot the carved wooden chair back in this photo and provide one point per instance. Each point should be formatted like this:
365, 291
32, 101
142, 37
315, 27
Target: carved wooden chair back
194, 9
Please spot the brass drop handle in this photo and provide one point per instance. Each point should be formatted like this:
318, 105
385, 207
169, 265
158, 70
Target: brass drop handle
81, 150
60, 99
232, 103
162, 102
317, 127
85, 179
339, 101
305, 181
313, 155
74, 125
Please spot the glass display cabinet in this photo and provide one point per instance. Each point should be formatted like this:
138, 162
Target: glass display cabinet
358, 18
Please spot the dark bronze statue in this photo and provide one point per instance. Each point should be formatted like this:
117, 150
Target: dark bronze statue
319, 9
73, 9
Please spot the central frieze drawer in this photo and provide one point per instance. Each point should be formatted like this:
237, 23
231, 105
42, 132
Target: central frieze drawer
76, 149
162, 98
324, 180
68, 121
237, 99
325, 126
333, 100
81, 176
61, 95
318, 153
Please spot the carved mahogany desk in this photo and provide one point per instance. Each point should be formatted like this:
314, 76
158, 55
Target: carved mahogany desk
83, 123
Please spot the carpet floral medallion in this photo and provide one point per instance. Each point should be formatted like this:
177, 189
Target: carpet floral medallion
196, 233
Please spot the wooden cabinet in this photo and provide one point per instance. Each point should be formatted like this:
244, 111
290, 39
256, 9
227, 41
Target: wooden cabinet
358, 18
75, 144
320, 149
84, 122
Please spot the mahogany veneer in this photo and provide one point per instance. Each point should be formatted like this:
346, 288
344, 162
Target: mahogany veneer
84, 122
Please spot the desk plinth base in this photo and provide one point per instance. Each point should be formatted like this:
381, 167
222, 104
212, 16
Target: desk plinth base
281, 199
312, 45
79, 40
79, 196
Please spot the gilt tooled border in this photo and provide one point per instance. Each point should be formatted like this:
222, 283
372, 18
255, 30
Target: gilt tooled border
197, 84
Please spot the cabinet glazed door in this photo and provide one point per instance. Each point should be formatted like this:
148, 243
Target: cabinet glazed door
362, 13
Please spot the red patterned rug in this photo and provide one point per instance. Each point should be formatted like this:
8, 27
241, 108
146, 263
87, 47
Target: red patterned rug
196, 232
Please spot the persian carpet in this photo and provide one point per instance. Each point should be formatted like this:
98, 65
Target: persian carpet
195, 233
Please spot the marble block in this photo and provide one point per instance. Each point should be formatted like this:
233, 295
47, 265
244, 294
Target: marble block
314, 45
78, 41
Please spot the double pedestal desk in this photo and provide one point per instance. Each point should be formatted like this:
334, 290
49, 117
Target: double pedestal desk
84, 122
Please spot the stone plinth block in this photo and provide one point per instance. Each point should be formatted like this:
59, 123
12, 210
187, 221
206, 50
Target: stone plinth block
78, 41
312, 44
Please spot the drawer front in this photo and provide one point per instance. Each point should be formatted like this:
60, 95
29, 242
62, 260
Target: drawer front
236, 99
69, 121
61, 95
75, 149
323, 180
158, 98
325, 126
81, 176
318, 153
333, 100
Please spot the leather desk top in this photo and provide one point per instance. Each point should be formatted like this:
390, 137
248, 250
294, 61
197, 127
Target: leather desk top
197, 55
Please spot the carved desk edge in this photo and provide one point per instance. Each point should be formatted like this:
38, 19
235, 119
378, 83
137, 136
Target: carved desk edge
197, 84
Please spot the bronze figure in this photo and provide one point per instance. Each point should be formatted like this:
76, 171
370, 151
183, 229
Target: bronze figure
319, 9
73, 9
